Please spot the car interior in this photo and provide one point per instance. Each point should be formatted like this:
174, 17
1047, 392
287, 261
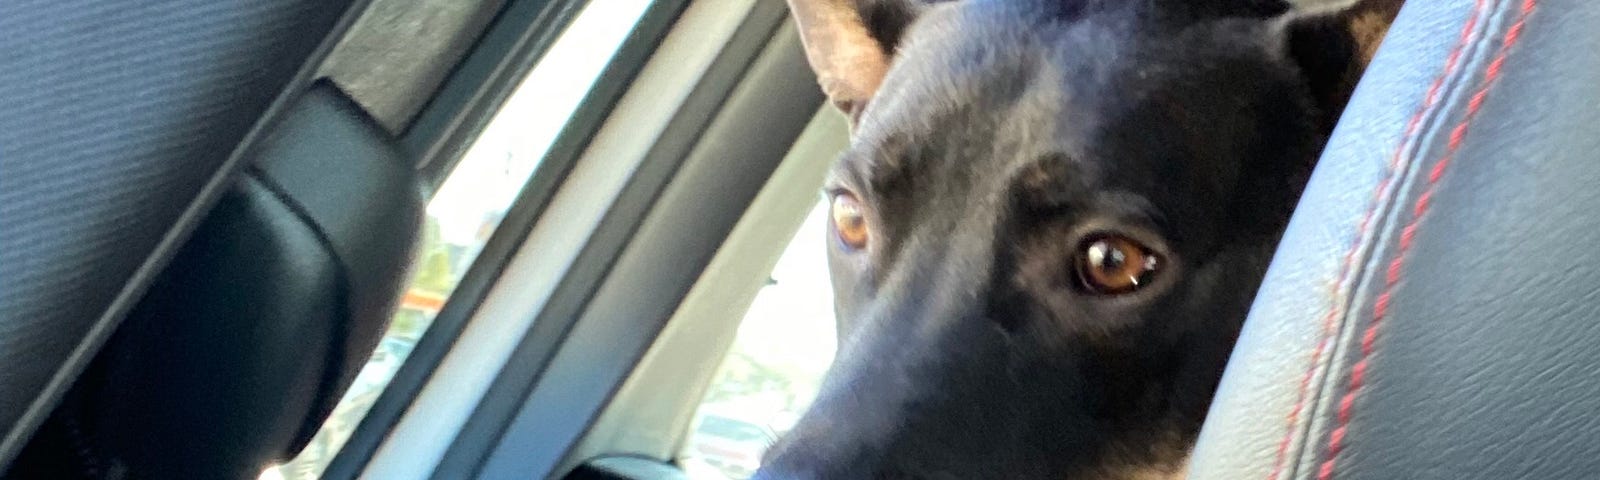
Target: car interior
497, 239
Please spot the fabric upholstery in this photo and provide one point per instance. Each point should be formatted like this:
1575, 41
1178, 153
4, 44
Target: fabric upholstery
117, 113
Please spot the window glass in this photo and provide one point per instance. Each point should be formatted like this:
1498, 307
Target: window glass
470, 204
774, 368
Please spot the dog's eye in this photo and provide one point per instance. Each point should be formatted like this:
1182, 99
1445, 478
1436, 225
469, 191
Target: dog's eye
1113, 264
849, 223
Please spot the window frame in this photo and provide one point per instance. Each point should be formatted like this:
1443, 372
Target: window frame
760, 68
691, 188
440, 135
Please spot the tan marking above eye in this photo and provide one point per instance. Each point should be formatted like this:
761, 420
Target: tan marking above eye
1114, 264
849, 221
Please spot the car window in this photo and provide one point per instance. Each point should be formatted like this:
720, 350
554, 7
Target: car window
470, 204
732, 429
774, 368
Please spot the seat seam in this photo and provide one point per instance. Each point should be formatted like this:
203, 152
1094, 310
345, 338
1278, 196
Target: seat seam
1340, 296
1395, 269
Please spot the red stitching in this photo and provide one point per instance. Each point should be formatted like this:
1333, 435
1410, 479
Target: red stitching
1329, 321
1380, 307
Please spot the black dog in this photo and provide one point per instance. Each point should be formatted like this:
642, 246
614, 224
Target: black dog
1052, 220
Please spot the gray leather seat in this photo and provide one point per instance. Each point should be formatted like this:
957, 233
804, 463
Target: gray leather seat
1434, 310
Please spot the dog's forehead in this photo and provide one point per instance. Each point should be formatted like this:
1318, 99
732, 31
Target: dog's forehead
987, 52
963, 55
961, 69
1009, 81
992, 80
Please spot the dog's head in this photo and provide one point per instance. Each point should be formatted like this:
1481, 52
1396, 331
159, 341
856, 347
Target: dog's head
1050, 224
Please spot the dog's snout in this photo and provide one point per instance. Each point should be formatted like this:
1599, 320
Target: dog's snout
900, 396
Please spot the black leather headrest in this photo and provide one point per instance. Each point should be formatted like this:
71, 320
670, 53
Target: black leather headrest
1434, 309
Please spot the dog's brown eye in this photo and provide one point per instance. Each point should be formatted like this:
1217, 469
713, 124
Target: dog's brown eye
849, 223
1112, 264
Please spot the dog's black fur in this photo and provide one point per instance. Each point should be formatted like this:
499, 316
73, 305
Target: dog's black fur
1006, 133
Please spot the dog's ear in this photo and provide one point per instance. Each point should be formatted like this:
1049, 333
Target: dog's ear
1333, 47
849, 44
